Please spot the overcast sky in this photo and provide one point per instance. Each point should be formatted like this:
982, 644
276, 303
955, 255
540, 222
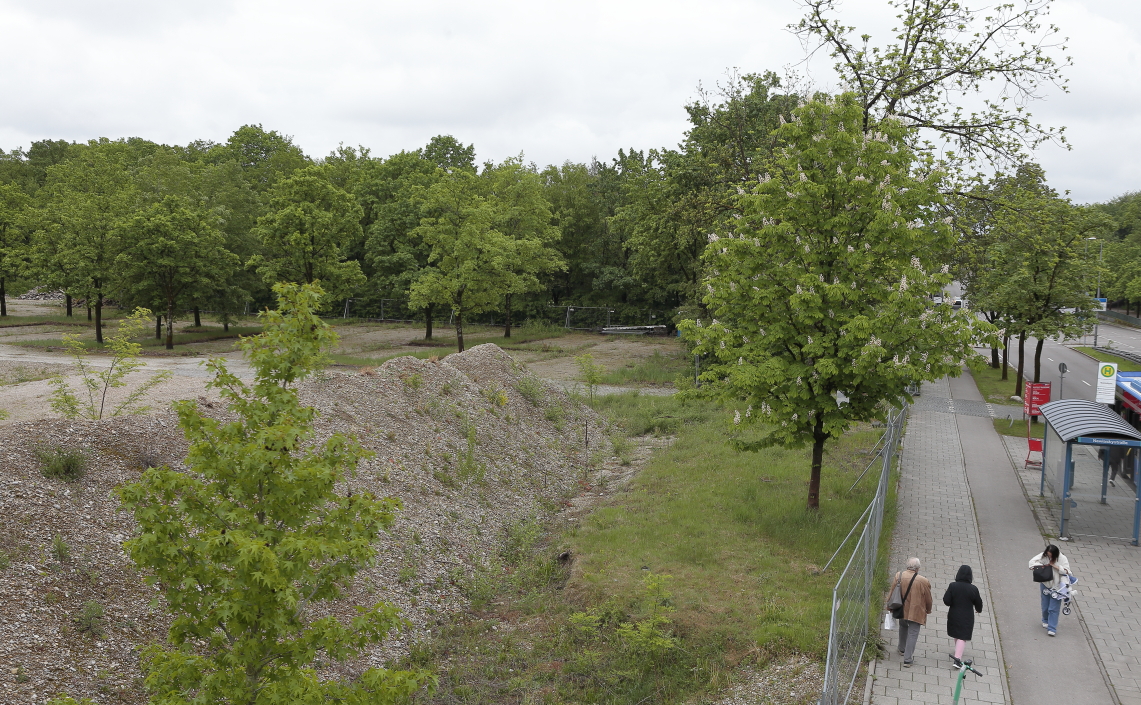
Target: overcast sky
554, 80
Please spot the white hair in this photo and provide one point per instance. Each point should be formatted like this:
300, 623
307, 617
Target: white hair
913, 564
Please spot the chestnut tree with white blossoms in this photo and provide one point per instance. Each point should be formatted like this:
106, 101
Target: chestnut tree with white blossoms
824, 286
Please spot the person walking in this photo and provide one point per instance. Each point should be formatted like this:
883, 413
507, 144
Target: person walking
916, 593
1052, 557
963, 599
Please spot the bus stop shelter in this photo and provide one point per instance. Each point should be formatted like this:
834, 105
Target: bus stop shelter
1075, 430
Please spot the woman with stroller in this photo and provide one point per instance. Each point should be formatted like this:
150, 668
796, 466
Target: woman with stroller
1059, 578
964, 600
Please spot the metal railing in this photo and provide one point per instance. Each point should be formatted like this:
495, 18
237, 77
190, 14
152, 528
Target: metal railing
853, 594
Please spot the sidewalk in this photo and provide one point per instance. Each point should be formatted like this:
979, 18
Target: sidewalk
936, 523
960, 501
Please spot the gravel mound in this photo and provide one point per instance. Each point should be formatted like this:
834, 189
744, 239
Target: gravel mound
37, 294
455, 439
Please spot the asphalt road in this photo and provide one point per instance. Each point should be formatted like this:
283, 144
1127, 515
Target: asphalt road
1082, 371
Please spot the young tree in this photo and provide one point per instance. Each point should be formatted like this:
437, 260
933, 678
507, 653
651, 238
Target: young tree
176, 252
253, 537
305, 237
823, 287
945, 53
14, 205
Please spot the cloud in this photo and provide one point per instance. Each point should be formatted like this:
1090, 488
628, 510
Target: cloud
555, 80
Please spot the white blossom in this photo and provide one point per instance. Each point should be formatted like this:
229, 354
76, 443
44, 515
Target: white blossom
740, 361
851, 249
945, 269
749, 411
737, 417
713, 237
915, 263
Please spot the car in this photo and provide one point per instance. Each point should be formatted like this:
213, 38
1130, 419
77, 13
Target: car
937, 300
957, 303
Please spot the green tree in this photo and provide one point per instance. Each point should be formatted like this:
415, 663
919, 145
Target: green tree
175, 252
943, 56
820, 293
14, 205
248, 543
265, 157
305, 236
84, 200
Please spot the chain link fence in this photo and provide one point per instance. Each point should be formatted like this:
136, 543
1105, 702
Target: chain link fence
853, 597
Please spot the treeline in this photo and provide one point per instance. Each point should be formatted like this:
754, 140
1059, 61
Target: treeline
426, 234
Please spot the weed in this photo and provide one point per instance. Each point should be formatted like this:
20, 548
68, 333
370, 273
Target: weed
65, 699
467, 466
21, 675
391, 436
52, 597
444, 478
531, 389
448, 387
494, 396
407, 574
414, 381
90, 620
5, 560
58, 462
146, 459
61, 552
589, 373
555, 414
622, 447
657, 369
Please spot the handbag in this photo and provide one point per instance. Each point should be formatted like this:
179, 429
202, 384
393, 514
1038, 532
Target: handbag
1043, 573
896, 609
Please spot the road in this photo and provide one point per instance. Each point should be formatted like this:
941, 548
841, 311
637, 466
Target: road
1082, 370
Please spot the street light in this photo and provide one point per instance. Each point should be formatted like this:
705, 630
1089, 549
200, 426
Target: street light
1100, 251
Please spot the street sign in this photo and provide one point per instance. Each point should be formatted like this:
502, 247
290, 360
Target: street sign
1062, 368
1101, 304
1037, 394
1106, 382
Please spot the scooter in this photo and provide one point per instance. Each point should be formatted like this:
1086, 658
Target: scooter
963, 667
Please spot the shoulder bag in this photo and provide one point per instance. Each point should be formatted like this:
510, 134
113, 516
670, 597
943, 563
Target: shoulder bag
1043, 573
897, 611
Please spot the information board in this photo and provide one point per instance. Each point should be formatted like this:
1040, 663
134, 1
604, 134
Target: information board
1106, 382
1036, 394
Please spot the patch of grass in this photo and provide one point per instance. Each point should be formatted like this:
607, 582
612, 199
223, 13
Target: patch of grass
61, 552
5, 560
641, 414
1017, 428
13, 321
149, 342
58, 462
657, 369
22, 373
357, 361
991, 385
593, 615
1123, 365
90, 619
531, 389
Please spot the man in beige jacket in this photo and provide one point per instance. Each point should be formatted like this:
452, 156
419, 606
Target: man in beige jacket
915, 608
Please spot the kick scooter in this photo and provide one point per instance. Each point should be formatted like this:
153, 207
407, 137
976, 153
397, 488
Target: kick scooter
963, 667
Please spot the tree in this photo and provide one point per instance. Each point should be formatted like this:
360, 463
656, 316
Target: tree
265, 157
821, 291
305, 236
1039, 268
84, 199
124, 360
175, 252
524, 216
14, 205
943, 56
248, 542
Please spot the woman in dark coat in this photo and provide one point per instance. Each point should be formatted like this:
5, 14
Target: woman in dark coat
964, 600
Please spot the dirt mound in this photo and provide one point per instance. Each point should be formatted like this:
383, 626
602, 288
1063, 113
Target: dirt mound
472, 444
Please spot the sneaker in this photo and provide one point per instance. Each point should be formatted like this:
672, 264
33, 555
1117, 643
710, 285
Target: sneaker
958, 663
1051, 633
1044, 626
1112, 483
907, 664
899, 652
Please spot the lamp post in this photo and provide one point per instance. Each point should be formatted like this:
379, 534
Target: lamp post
1100, 252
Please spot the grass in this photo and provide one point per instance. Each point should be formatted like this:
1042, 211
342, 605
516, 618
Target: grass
58, 462
657, 369
991, 385
709, 559
13, 321
22, 373
151, 344
1018, 428
1123, 365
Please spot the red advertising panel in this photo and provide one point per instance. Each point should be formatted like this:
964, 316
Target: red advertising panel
1037, 394
1131, 402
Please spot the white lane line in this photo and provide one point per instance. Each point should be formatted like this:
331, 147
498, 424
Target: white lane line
1050, 359
1086, 383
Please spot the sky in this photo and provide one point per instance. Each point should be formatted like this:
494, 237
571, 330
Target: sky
552, 80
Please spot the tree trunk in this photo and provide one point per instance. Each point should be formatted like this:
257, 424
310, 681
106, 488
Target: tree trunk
170, 325
507, 326
994, 363
1038, 360
197, 318
3, 299
67, 298
818, 439
158, 327
460, 331
1020, 376
1005, 357
89, 310
99, 317
428, 321
226, 325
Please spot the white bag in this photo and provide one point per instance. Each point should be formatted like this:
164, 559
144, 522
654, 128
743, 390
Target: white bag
889, 622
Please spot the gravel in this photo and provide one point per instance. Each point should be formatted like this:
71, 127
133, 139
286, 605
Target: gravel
416, 415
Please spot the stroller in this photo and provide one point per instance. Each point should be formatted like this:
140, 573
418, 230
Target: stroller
1063, 593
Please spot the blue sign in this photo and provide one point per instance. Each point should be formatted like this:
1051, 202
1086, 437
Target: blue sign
1093, 441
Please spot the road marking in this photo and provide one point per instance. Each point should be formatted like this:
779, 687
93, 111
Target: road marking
1050, 359
1086, 383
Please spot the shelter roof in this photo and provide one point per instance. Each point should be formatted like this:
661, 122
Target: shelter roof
1071, 418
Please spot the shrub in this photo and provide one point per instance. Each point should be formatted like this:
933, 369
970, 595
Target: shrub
495, 396
61, 552
90, 620
57, 462
414, 381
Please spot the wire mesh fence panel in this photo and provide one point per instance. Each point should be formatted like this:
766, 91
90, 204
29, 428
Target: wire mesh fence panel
852, 597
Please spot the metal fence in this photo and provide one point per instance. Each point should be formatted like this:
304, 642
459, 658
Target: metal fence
852, 598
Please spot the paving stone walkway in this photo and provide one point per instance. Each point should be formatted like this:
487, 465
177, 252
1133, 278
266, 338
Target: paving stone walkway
936, 523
